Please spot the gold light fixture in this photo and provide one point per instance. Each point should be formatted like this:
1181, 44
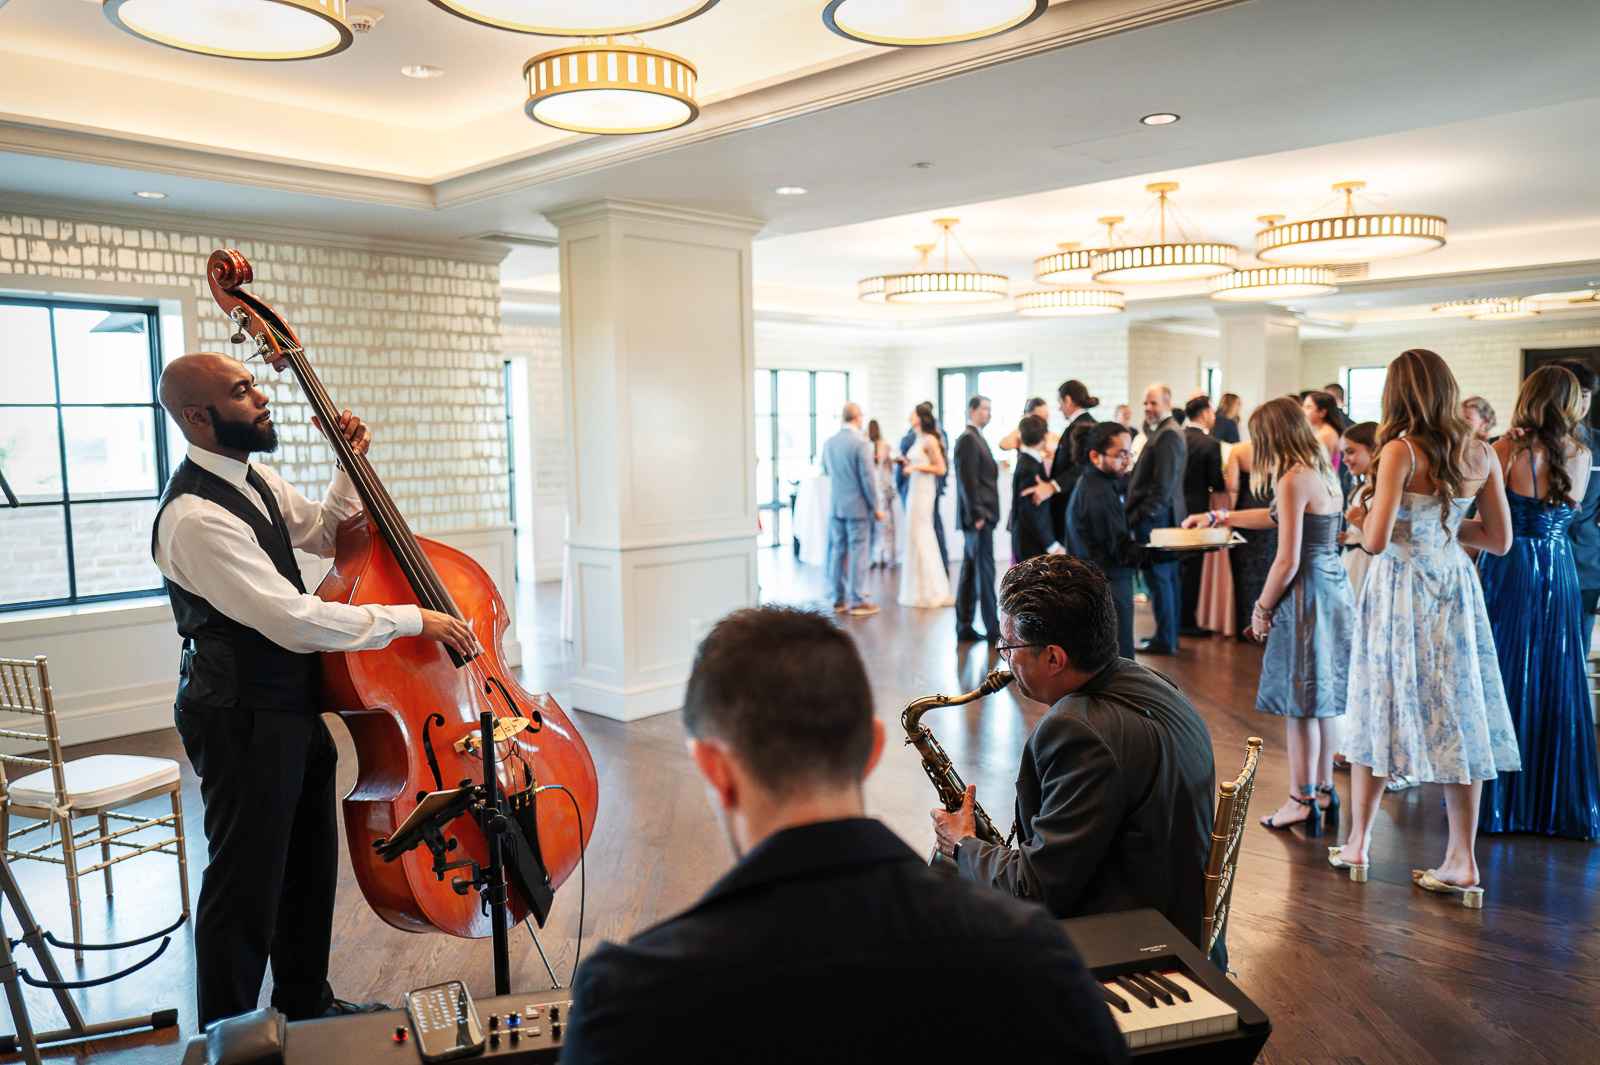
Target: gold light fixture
1251, 283
1072, 259
1362, 233
238, 29
1069, 302
930, 282
606, 87
927, 22
1569, 298
1489, 308
566, 18
1160, 259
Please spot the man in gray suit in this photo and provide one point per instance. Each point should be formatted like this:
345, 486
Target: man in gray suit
1155, 501
852, 483
1114, 795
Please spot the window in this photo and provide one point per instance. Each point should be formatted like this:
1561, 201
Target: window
1006, 387
81, 443
1363, 392
796, 410
1211, 380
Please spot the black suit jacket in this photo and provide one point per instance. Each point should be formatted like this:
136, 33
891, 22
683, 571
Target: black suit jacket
1155, 489
1071, 459
1202, 471
1032, 530
1097, 528
977, 481
1114, 804
835, 942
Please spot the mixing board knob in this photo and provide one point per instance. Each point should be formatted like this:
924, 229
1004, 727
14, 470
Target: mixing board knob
513, 1020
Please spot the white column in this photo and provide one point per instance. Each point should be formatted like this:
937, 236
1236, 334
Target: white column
658, 360
1260, 354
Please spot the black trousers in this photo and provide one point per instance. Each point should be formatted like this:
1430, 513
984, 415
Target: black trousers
1121, 581
267, 779
1190, 569
976, 586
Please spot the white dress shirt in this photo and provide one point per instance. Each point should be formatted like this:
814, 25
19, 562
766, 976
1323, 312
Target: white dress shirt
209, 552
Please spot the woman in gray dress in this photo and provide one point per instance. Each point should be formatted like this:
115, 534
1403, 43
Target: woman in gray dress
1305, 605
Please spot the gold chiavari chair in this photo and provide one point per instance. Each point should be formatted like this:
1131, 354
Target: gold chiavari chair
59, 791
1233, 804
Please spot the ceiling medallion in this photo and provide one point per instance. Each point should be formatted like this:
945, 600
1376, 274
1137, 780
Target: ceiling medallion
1072, 259
1360, 234
1069, 302
564, 18
1159, 259
927, 22
1489, 308
605, 87
928, 282
238, 29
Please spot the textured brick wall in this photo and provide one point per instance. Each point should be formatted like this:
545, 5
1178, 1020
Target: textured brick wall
1486, 359
410, 342
539, 342
1174, 359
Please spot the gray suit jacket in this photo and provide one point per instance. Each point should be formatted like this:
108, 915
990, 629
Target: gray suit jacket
1156, 487
847, 460
1114, 804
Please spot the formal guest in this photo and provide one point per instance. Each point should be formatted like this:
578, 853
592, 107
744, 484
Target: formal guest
1305, 611
823, 900
924, 579
1202, 477
1584, 529
1227, 427
1070, 458
1357, 447
1155, 501
1533, 601
853, 507
1097, 527
1251, 559
1425, 692
1115, 791
884, 549
1032, 532
978, 503
1327, 421
903, 484
1336, 390
1034, 408
1479, 415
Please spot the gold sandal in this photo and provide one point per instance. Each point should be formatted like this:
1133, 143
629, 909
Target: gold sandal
1471, 897
1358, 873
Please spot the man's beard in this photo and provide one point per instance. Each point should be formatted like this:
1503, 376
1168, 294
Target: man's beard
243, 435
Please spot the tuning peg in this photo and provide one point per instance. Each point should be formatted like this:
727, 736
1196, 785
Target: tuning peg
241, 318
239, 337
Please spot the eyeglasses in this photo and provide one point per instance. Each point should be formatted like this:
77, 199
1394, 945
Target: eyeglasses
1005, 650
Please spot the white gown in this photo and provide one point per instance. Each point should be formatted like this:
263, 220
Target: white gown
923, 579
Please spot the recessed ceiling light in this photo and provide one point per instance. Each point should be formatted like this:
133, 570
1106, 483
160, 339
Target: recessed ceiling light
1160, 118
922, 166
421, 70
789, 190
146, 195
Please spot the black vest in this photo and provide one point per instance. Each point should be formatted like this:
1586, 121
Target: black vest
226, 664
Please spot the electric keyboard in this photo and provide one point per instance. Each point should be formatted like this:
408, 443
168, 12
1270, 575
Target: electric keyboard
1169, 1002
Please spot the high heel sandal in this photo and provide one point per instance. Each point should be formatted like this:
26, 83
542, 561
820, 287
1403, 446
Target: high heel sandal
1471, 897
1358, 873
1330, 813
1312, 822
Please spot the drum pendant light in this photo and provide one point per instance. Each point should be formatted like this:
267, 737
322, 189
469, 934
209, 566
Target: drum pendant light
576, 18
927, 22
611, 88
238, 29
930, 282
1360, 234
1161, 259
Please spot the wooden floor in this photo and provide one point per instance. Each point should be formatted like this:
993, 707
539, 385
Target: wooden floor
1379, 972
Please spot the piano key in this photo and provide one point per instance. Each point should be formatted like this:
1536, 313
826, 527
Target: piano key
1139, 994
1171, 987
1113, 999
1144, 981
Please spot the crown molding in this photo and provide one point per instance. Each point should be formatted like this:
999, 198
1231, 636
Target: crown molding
133, 216
645, 211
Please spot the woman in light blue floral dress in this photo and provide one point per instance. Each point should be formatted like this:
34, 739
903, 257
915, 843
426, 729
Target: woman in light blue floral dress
1425, 695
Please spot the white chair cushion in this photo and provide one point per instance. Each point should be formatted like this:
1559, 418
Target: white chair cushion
97, 781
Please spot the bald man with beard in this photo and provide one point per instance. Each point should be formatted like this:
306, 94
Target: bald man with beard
248, 709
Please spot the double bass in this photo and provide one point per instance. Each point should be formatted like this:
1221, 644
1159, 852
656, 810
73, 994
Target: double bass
413, 707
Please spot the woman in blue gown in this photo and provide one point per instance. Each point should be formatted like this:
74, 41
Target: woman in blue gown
1534, 609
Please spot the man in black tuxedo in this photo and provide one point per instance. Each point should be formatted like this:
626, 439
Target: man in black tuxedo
978, 503
1202, 475
1155, 501
1031, 530
1114, 796
825, 904
1072, 454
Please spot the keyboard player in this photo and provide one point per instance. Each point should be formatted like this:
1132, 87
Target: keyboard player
1114, 795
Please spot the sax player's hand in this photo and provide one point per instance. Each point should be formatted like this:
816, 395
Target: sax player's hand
950, 828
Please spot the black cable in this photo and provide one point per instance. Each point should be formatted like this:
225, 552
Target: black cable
583, 873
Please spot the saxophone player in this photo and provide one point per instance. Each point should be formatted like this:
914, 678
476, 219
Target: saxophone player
829, 938
1114, 795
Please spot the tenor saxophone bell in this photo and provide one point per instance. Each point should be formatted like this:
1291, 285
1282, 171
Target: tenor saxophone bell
946, 781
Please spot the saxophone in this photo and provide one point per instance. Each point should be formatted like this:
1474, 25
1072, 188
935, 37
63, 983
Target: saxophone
946, 781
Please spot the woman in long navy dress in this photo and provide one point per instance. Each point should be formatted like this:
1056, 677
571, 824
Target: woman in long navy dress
1534, 608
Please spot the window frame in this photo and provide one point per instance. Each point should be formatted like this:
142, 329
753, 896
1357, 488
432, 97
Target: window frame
779, 502
1344, 383
159, 440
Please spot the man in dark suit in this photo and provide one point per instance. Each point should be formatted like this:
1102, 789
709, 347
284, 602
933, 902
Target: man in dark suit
825, 905
1202, 475
1071, 457
902, 481
1097, 527
1032, 532
1114, 796
978, 503
1155, 501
